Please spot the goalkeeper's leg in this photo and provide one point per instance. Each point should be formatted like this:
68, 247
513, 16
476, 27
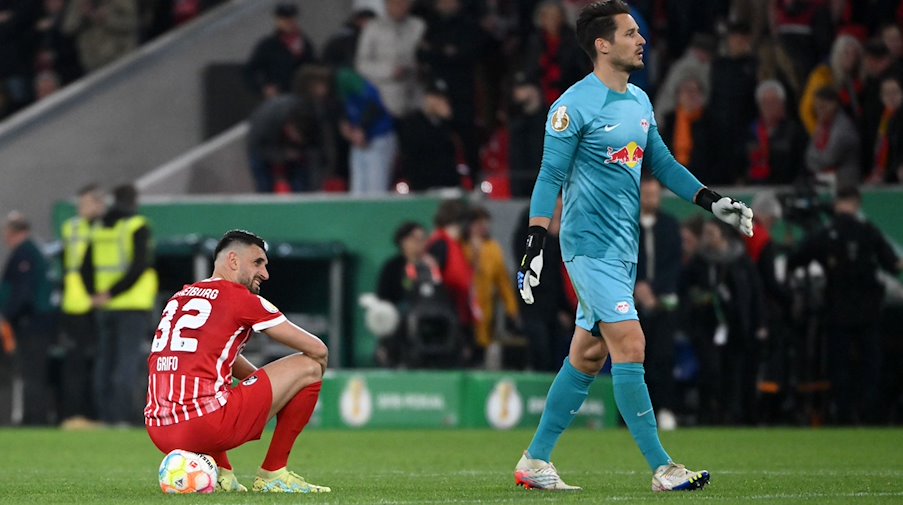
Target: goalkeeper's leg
566, 395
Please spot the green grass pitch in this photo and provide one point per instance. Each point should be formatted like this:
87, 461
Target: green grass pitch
830, 466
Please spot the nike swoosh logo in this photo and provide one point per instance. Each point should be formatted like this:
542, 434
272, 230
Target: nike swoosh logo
641, 414
610, 127
573, 412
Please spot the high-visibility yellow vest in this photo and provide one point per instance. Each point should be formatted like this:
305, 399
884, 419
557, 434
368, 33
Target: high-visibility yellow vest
76, 235
112, 253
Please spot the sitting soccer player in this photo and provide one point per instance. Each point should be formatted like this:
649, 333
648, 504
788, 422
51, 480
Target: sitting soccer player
196, 353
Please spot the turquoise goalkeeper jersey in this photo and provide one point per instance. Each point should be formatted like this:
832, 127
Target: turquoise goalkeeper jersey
596, 142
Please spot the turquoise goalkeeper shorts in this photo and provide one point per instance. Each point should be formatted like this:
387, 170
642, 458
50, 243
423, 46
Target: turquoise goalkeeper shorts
604, 290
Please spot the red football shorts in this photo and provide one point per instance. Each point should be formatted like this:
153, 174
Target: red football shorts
241, 420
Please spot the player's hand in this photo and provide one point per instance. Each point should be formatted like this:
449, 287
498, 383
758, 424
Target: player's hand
531, 264
732, 212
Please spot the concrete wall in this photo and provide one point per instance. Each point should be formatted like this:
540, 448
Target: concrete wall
135, 115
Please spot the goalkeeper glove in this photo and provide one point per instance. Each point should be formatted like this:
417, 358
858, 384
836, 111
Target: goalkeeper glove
732, 212
531, 265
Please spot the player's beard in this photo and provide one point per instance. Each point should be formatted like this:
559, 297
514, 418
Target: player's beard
249, 283
629, 65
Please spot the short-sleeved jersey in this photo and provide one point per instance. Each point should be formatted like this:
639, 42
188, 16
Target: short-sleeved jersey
602, 191
202, 330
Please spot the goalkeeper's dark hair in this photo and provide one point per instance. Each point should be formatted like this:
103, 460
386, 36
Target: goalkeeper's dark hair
242, 237
597, 21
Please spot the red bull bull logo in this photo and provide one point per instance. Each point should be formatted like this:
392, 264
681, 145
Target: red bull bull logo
629, 156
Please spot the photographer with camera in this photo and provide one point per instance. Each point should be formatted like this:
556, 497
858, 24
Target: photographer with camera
851, 251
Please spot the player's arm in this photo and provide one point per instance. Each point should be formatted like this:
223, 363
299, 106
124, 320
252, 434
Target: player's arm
682, 183
291, 335
557, 156
242, 368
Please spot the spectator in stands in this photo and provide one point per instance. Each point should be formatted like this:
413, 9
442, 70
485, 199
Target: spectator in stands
278, 134
833, 151
410, 280
341, 48
104, 30
370, 130
552, 55
46, 83
526, 127
449, 51
118, 273
56, 53
852, 252
877, 63
695, 62
775, 64
723, 288
427, 143
888, 146
687, 130
549, 321
657, 275
277, 57
843, 72
15, 62
445, 246
386, 56
492, 281
732, 104
801, 27
776, 142
893, 40
25, 306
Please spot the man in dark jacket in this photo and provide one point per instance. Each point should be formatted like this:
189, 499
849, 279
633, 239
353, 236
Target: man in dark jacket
428, 152
276, 57
25, 307
852, 251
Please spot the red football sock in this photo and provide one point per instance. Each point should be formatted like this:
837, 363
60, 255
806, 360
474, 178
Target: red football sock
289, 423
222, 460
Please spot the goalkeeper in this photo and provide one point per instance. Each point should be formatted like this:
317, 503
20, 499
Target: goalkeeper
598, 136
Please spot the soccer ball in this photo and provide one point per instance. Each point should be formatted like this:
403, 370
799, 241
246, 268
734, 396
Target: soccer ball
184, 472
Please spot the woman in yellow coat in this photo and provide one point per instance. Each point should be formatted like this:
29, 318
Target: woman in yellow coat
491, 279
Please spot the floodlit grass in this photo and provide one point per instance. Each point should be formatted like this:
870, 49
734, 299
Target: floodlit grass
830, 466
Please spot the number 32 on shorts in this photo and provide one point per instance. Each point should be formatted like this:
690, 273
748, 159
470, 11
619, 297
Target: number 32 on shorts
167, 332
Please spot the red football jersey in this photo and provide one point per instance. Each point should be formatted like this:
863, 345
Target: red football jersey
202, 330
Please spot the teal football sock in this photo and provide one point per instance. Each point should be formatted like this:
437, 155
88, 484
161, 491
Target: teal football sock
566, 395
632, 398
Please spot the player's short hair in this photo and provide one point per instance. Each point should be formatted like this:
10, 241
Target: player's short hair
597, 21
240, 236
405, 230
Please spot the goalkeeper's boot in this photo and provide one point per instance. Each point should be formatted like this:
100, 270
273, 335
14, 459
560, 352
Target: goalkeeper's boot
538, 474
284, 481
674, 477
226, 481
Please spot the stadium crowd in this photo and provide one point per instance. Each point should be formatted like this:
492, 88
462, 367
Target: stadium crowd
745, 92
420, 95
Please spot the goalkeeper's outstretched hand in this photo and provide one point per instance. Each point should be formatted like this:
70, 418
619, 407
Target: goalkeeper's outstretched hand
531, 264
732, 212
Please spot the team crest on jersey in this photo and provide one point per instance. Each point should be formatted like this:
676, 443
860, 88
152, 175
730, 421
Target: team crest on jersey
629, 156
560, 119
249, 381
267, 305
644, 124
622, 307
